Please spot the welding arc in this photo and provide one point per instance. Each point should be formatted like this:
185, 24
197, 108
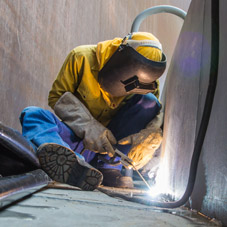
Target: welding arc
204, 122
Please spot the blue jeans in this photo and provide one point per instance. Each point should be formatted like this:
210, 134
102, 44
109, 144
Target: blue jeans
41, 126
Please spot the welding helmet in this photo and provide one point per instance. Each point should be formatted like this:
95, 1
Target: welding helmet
134, 67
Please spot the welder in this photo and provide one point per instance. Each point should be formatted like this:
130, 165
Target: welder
105, 97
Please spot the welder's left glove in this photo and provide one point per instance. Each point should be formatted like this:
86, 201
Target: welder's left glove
145, 143
75, 114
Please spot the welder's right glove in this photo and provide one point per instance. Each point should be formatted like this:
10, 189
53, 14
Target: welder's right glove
145, 143
95, 136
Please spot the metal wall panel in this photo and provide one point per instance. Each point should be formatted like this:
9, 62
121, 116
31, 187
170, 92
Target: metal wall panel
213, 197
188, 78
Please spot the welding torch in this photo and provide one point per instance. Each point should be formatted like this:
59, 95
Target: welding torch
125, 161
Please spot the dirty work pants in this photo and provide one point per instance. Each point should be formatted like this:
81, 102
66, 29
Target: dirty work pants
41, 126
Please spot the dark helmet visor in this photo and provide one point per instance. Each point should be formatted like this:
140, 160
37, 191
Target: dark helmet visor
128, 72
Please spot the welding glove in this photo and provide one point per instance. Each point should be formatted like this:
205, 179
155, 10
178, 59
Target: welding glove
144, 143
95, 136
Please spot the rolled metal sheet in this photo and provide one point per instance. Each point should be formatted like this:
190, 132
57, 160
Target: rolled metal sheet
15, 187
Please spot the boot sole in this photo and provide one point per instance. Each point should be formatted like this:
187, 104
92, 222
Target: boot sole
62, 165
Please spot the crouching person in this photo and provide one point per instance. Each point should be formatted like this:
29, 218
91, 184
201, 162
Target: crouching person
105, 97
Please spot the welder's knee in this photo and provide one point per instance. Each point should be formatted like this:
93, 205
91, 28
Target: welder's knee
35, 113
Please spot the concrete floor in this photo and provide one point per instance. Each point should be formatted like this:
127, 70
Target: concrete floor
72, 207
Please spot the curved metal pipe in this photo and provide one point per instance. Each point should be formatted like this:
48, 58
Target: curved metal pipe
154, 10
16, 187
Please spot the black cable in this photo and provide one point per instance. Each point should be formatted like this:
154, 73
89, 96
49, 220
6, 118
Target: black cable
204, 122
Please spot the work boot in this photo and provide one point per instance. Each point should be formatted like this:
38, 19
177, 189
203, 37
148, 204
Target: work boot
114, 178
62, 165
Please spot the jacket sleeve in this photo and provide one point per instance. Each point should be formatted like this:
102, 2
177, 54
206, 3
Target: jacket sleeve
67, 79
157, 91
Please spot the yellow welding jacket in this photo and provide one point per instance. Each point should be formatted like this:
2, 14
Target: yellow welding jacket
80, 71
